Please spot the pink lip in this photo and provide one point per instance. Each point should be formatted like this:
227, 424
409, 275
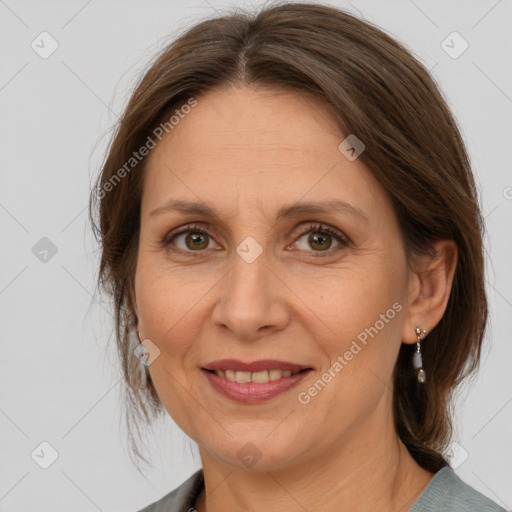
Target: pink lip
253, 392
255, 366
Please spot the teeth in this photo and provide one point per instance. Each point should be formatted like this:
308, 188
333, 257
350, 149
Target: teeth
275, 374
243, 377
261, 377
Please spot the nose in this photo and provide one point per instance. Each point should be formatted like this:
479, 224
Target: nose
252, 303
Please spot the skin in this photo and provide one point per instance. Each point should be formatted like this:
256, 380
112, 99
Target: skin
246, 152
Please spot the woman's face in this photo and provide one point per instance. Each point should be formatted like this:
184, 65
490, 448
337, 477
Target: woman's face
264, 278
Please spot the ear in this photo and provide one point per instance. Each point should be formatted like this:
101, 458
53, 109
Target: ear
132, 301
430, 286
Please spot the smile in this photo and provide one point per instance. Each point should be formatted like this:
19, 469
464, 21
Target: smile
256, 382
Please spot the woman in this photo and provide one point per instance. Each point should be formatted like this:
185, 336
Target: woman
291, 233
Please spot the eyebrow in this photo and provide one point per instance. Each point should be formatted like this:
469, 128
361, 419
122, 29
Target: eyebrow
289, 211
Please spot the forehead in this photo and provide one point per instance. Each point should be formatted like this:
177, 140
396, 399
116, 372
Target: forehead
255, 120
261, 145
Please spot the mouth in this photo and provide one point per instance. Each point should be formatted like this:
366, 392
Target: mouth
254, 382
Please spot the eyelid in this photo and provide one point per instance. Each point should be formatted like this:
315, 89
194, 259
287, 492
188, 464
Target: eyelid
192, 226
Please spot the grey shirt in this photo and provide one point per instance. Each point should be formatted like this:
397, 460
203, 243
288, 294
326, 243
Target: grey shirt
446, 492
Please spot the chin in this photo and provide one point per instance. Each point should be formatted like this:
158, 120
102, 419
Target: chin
255, 453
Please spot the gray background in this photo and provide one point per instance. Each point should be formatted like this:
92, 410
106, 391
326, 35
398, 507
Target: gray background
57, 384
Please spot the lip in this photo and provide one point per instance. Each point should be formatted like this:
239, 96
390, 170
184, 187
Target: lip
253, 392
254, 366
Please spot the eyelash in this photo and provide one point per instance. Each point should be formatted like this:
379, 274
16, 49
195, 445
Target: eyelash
314, 227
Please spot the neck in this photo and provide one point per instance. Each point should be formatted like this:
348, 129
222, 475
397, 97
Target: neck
372, 471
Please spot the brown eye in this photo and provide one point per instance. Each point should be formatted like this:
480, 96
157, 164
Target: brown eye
320, 241
190, 239
197, 240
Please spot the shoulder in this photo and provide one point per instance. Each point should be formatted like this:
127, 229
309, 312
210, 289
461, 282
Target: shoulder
447, 492
180, 499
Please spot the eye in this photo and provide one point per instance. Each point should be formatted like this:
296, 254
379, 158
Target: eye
189, 239
321, 239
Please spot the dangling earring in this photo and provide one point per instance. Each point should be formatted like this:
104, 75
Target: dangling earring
416, 358
138, 369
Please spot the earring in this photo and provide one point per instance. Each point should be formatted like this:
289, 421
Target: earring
138, 368
416, 358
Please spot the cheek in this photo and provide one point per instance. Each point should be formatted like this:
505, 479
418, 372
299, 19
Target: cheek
167, 317
362, 309
364, 314
167, 303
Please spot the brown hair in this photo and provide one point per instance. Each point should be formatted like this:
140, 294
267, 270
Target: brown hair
379, 92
